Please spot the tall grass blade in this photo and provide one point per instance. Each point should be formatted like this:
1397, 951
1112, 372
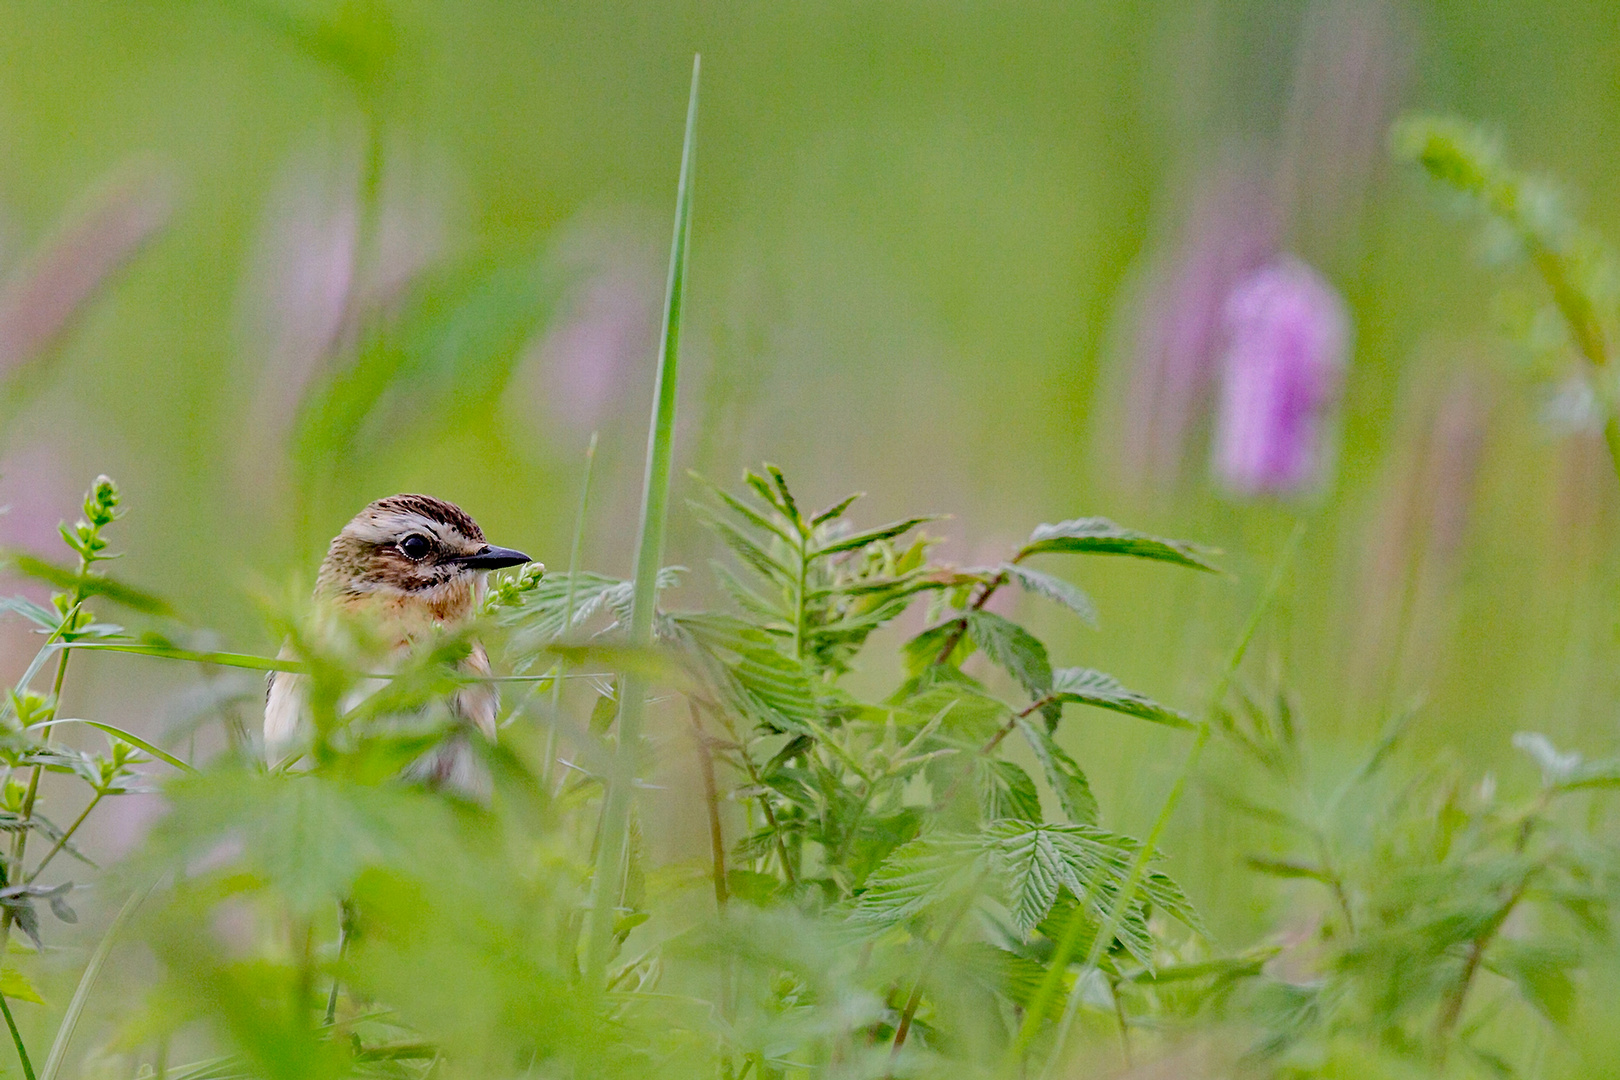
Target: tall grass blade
70, 1019
612, 844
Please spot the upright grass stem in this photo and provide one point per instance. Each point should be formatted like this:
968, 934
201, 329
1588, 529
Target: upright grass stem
607, 881
1126, 896
19, 846
17, 1039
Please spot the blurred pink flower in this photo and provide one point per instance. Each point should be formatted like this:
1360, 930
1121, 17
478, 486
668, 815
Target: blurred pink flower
1230, 230
316, 276
607, 326
297, 295
1302, 192
110, 224
1288, 334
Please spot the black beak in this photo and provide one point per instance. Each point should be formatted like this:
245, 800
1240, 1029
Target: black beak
493, 558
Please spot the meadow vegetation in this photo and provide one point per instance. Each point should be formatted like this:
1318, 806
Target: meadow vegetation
907, 871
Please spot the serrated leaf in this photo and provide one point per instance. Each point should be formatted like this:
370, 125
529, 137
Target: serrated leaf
1035, 873
744, 597
963, 709
922, 651
871, 536
744, 662
789, 506
1052, 588
1068, 782
1099, 536
742, 510
1013, 649
752, 554
916, 877
1006, 791
1083, 686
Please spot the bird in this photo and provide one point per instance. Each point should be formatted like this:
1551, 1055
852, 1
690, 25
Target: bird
410, 565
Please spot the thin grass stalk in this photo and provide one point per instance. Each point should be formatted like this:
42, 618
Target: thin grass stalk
17, 1039
1127, 893
607, 881
98, 960
575, 554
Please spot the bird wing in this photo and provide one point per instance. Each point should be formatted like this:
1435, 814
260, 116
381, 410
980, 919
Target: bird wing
284, 708
478, 703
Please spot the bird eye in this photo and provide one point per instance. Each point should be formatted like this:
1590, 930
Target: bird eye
415, 547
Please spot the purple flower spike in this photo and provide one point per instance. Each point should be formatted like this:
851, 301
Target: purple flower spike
1287, 340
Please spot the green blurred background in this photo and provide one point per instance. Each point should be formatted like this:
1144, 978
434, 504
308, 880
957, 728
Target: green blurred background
920, 231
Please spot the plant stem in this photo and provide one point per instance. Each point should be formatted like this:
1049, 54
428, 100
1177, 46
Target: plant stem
574, 555
19, 846
17, 1039
986, 591
606, 882
81, 993
903, 1029
1124, 1027
801, 586
711, 799
67, 835
344, 918
1451, 1008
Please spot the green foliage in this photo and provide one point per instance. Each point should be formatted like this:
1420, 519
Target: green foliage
1527, 221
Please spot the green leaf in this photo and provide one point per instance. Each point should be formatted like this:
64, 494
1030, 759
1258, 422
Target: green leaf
119, 733
1052, 588
1099, 536
917, 877
764, 683
1013, 649
836, 510
1540, 971
744, 597
922, 651
790, 508
871, 536
1083, 686
740, 508
744, 547
15, 985
1006, 791
1288, 868
170, 652
59, 577
963, 709
1068, 782
39, 616
308, 836
1035, 871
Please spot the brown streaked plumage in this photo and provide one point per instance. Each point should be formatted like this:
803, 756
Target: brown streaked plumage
409, 564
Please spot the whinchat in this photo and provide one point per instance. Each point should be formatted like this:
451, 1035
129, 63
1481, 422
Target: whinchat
409, 565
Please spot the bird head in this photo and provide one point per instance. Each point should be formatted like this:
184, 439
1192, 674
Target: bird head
414, 555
